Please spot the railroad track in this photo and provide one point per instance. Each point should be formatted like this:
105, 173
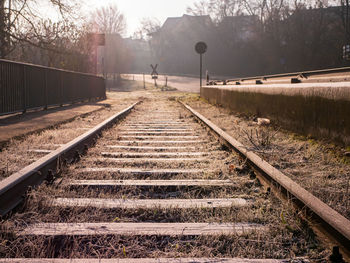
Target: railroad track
161, 186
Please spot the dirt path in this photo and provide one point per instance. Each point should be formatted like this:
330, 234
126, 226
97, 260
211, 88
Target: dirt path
23, 124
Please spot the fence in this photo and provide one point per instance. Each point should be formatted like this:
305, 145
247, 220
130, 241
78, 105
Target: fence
25, 86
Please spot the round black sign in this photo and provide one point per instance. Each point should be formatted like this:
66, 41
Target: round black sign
201, 47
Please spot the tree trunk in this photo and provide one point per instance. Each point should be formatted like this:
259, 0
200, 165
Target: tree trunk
3, 27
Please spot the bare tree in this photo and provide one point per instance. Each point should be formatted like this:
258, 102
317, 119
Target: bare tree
217, 9
200, 8
3, 30
224, 8
56, 44
148, 27
114, 57
19, 20
109, 20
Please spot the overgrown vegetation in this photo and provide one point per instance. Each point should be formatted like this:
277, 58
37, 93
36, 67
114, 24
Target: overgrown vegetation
319, 166
68, 40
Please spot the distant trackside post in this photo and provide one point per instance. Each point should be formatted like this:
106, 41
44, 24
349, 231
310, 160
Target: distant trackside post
200, 48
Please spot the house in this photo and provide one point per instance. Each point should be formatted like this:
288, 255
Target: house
173, 45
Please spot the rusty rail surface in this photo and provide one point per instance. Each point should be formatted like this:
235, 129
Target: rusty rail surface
26, 86
328, 221
13, 188
295, 76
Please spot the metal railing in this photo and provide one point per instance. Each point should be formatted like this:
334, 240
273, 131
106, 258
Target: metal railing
25, 86
295, 76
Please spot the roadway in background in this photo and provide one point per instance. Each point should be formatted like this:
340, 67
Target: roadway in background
185, 84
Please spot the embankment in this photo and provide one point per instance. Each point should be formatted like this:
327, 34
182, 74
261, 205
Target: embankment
321, 110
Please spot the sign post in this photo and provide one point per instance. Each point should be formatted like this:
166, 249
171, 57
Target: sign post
200, 48
144, 82
154, 74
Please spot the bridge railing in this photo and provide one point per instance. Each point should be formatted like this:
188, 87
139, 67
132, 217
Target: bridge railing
25, 86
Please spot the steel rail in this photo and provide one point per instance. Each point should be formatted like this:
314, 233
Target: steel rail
14, 187
328, 221
303, 74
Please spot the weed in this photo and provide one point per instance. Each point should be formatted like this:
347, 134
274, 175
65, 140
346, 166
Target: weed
168, 88
260, 138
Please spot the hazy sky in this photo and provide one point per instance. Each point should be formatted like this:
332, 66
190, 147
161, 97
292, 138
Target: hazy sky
135, 10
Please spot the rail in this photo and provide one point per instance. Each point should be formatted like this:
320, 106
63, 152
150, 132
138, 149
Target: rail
13, 187
327, 221
26, 86
296, 75
323, 218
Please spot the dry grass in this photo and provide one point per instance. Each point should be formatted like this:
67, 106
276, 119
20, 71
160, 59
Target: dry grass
16, 155
252, 246
318, 166
287, 237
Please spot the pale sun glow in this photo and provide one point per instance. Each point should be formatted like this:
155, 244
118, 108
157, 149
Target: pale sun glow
135, 10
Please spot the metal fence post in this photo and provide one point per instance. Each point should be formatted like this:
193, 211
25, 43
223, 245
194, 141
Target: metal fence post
61, 89
90, 91
24, 94
46, 92
144, 82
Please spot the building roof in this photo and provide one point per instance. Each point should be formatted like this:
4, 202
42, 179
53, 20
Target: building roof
170, 23
173, 23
